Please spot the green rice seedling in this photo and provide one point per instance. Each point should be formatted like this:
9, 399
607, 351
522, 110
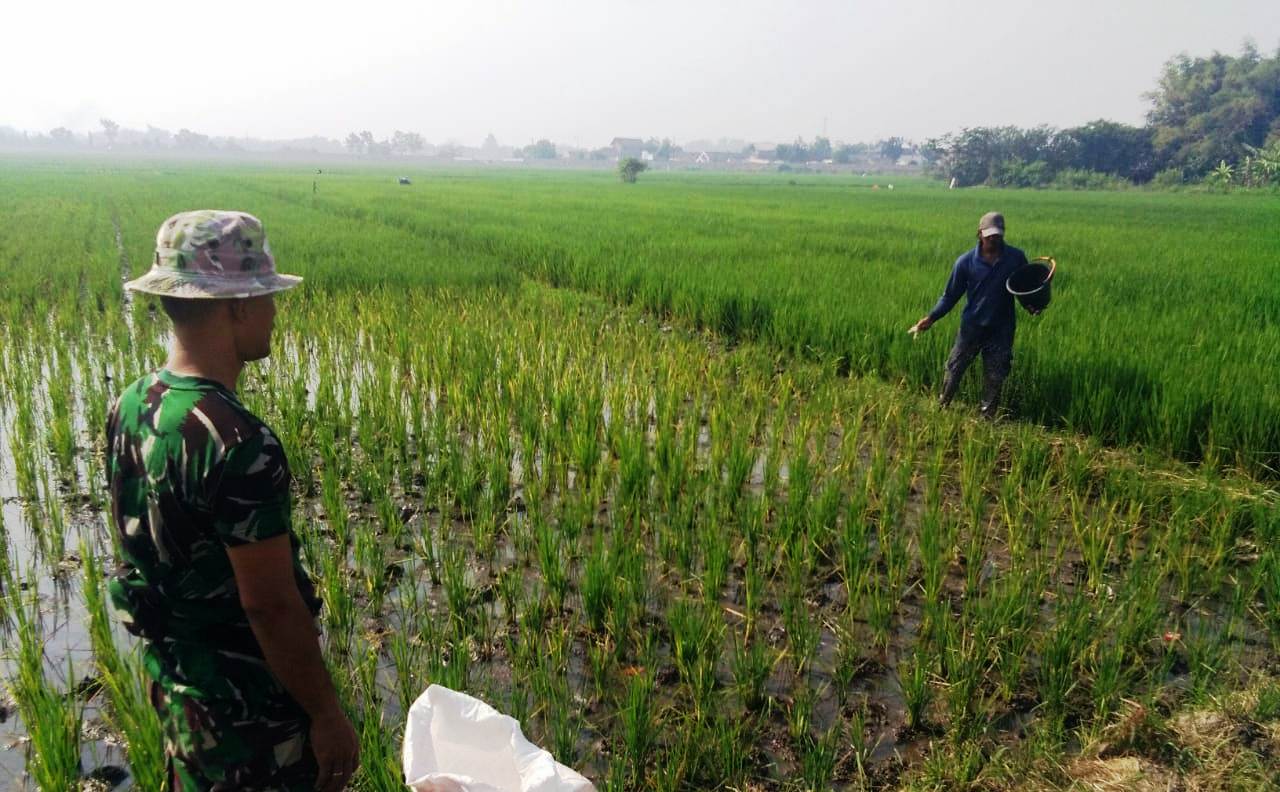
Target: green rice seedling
716, 555
1267, 572
638, 724
51, 532
407, 653
963, 660
389, 520
824, 518
1058, 675
61, 427
818, 757
600, 662
130, 711
457, 588
850, 660
751, 665
915, 681
633, 471
371, 565
696, 637
340, 610
1267, 706
738, 462
803, 635
754, 587
859, 749
597, 586
727, 758
379, 737
800, 712
933, 544
552, 561
1206, 653
335, 506
1110, 676
880, 602
51, 717
1095, 538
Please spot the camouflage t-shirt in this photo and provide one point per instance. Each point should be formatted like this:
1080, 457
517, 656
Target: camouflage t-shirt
191, 473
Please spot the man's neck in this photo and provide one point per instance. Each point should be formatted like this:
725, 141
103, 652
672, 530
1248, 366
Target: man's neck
221, 366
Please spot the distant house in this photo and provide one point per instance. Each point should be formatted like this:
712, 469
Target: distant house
627, 147
703, 158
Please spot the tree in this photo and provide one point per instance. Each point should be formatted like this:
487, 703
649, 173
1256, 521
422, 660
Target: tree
794, 152
542, 149
406, 142
354, 143
891, 149
186, 139
821, 149
1109, 147
1208, 110
61, 136
490, 144
848, 152
1221, 176
630, 168
110, 129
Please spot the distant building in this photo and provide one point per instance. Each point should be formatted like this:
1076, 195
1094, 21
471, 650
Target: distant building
627, 147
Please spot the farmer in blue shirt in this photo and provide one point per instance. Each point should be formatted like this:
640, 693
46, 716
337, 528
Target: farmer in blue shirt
987, 323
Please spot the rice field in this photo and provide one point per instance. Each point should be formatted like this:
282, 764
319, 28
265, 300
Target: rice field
655, 469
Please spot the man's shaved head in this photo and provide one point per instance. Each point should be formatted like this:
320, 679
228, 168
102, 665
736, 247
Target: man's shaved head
181, 310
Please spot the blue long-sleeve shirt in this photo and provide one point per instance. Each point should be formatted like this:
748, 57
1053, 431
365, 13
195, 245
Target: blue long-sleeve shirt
989, 303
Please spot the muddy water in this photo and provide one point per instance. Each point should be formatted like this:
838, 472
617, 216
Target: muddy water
63, 623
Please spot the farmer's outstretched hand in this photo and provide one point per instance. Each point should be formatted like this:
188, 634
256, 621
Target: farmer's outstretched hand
919, 327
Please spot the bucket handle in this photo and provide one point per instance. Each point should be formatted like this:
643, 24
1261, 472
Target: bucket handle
1053, 267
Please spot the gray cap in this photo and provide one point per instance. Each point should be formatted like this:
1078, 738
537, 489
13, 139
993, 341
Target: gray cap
991, 224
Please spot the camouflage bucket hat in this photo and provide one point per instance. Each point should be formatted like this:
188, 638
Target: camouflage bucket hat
212, 254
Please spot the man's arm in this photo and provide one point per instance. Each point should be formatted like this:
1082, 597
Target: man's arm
286, 632
956, 285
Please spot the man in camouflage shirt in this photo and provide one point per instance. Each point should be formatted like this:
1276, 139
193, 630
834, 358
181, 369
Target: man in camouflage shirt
209, 574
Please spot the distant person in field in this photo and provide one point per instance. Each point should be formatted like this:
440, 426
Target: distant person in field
987, 322
209, 574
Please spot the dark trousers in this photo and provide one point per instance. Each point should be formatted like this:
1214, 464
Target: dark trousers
995, 344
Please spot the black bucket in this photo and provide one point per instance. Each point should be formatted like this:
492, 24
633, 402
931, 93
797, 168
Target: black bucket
1030, 284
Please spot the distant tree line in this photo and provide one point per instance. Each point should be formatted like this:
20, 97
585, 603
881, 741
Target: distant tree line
399, 144
1215, 119
821, 150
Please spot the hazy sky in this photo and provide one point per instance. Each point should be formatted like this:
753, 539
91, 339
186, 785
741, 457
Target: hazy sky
583, 71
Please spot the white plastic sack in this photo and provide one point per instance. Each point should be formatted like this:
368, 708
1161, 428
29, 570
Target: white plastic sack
456, 743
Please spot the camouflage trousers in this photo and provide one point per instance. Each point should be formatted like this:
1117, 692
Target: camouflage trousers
212, 748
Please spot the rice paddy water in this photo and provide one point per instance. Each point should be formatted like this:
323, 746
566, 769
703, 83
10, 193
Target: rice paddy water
655, 469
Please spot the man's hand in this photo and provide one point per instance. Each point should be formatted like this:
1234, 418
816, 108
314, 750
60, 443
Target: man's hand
286, 632
919, 327
337, 750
